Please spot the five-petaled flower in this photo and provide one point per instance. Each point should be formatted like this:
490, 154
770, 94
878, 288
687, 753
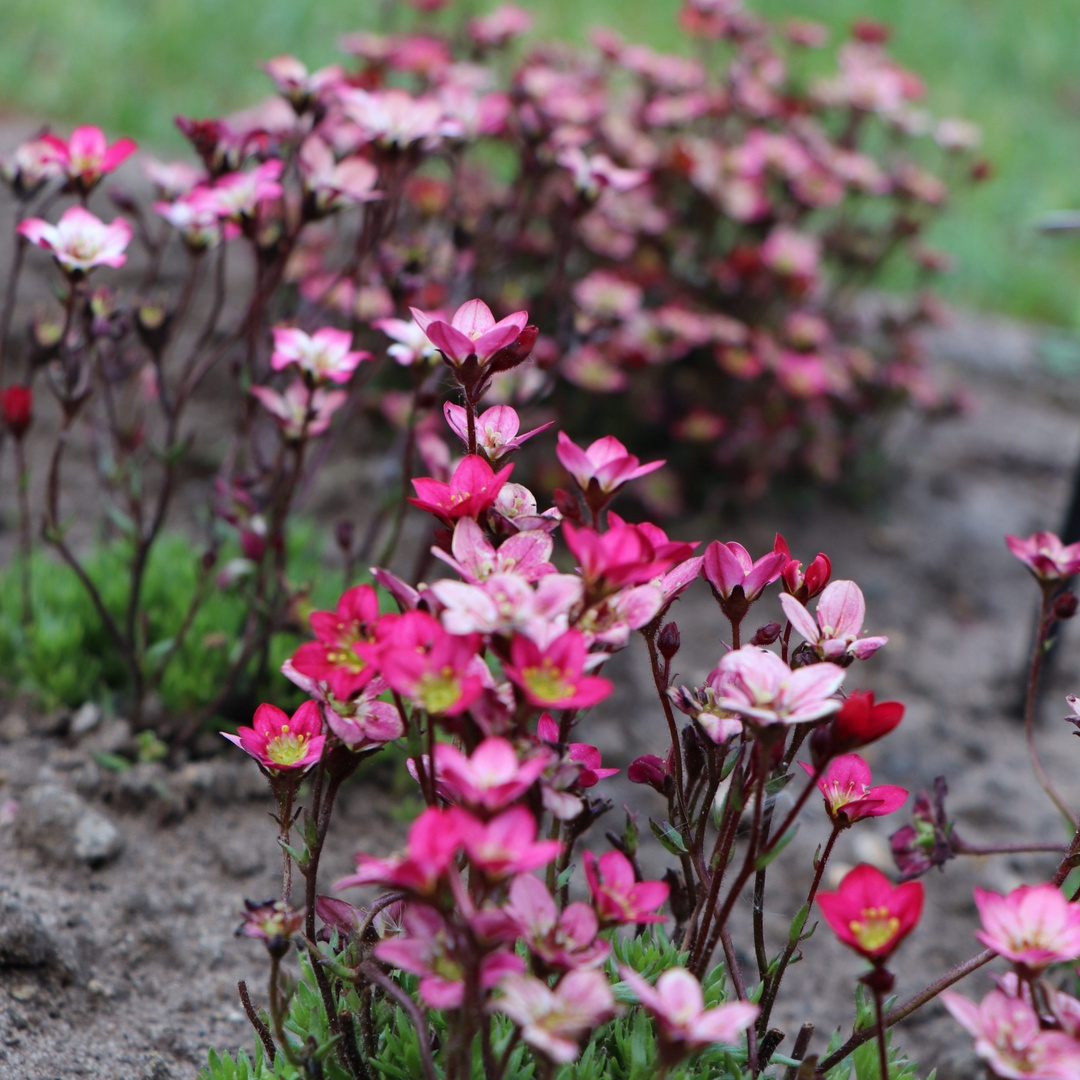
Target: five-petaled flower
605, 463
472, 489
554, 677
757, 684
79, 241
279, 742
869, 914
848, 794
840, 614
87, 156
619, 898
1033, 926
472, 331
332, 658
496, 428
301, 411
735, 578
322, 355
1046, 556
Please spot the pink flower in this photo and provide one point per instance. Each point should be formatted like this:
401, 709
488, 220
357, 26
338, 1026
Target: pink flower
848, 794
791, 253
492, 777
322, 355
496, 429
728, 567
617, 896
554, 1021
870, 915
803, 586
606, 462
472, 490
301, 411
684, 1024
434, 669
500, 25
332, 659
757, 684
87, 156
475, 558
430, 948
80, 241
840, 614
472, 331
411, 345
363, 722
860, 721
299, 86
507, 845
554, 677
198, 224
1009, 1036
1046, 556
273, 921
624, 554
238, 195
280, 742
332, 184
393, 117
1033, 926
564, 941
173, 179
434, 840
30, 165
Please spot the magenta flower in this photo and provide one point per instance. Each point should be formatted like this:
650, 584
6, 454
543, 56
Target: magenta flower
80, 241
238, 195
554, 677
322, 355
472, 331
1033, 926
475, 558
87, 156
434, 840
564, 941
492, 777
868, 914
279, 742
472, 489
848, 794
728, 567
428, 947
434, 669
496, 429
554, 1021
507, 845
273, 921
1046, 556
1010, 1038
625, 554
363, 721
585, 756
300, 412
618, 897
840, 614
684, 1025
606, 462
758, 685
332, 659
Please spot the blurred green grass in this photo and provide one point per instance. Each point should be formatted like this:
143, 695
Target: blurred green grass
131, 65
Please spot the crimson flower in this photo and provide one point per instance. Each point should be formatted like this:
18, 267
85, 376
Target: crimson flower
87, 156
1046, 556
80, 241
1033, 926
868, 914
279, 742
803, 586
472, 331
848, 794
553, 677
619, 898
472, 489
17, 409
332, 659
860, 720
625, 554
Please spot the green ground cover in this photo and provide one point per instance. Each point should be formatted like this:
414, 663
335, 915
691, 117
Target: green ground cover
129, 65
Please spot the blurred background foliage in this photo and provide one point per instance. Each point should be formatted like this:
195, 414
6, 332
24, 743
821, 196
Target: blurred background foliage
131, 65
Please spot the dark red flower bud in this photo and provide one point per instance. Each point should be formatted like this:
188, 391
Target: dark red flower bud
652, 770
668, 641
343, 535
567, 505
870, 31
17, 409
861, 721
767, 634
1065, 605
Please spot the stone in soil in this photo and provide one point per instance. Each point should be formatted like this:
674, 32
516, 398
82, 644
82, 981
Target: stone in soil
65, 828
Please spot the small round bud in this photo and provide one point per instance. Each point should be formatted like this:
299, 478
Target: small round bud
344, 535
668, 641
767, 634
1065, 605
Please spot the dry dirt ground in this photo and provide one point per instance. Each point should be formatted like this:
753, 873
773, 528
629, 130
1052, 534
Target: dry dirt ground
127, 969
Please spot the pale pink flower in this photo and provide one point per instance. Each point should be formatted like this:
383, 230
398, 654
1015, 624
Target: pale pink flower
500, 25
791, 253
196, 221
332, 184
394, 117
1046, 556
322, 355
87, 156
592, 174
840, 613
507, 845
364, 721
173, 179
300, 411
80, 241
554, 1021
1010, 1038
472, 331
238, 195
1034, 925
30, 165
684, 1024
475, 558
496, 429
489, 779
727, 567
411, 345
757, 684
848, 794
619, 898
606, 461
298, 85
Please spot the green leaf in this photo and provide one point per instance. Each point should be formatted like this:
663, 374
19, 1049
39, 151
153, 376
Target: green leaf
112, 762
798, 923
767, 857
669, 837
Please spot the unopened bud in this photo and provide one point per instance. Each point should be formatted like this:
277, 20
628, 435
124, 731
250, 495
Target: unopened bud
567, 505
343, 535
1065, 605
767, 634
668, 641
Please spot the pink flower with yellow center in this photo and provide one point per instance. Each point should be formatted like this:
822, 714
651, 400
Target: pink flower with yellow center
87, 156
80, 241
553, 677
471, 490
868, 914
848, 794
279, 742
1033, 926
